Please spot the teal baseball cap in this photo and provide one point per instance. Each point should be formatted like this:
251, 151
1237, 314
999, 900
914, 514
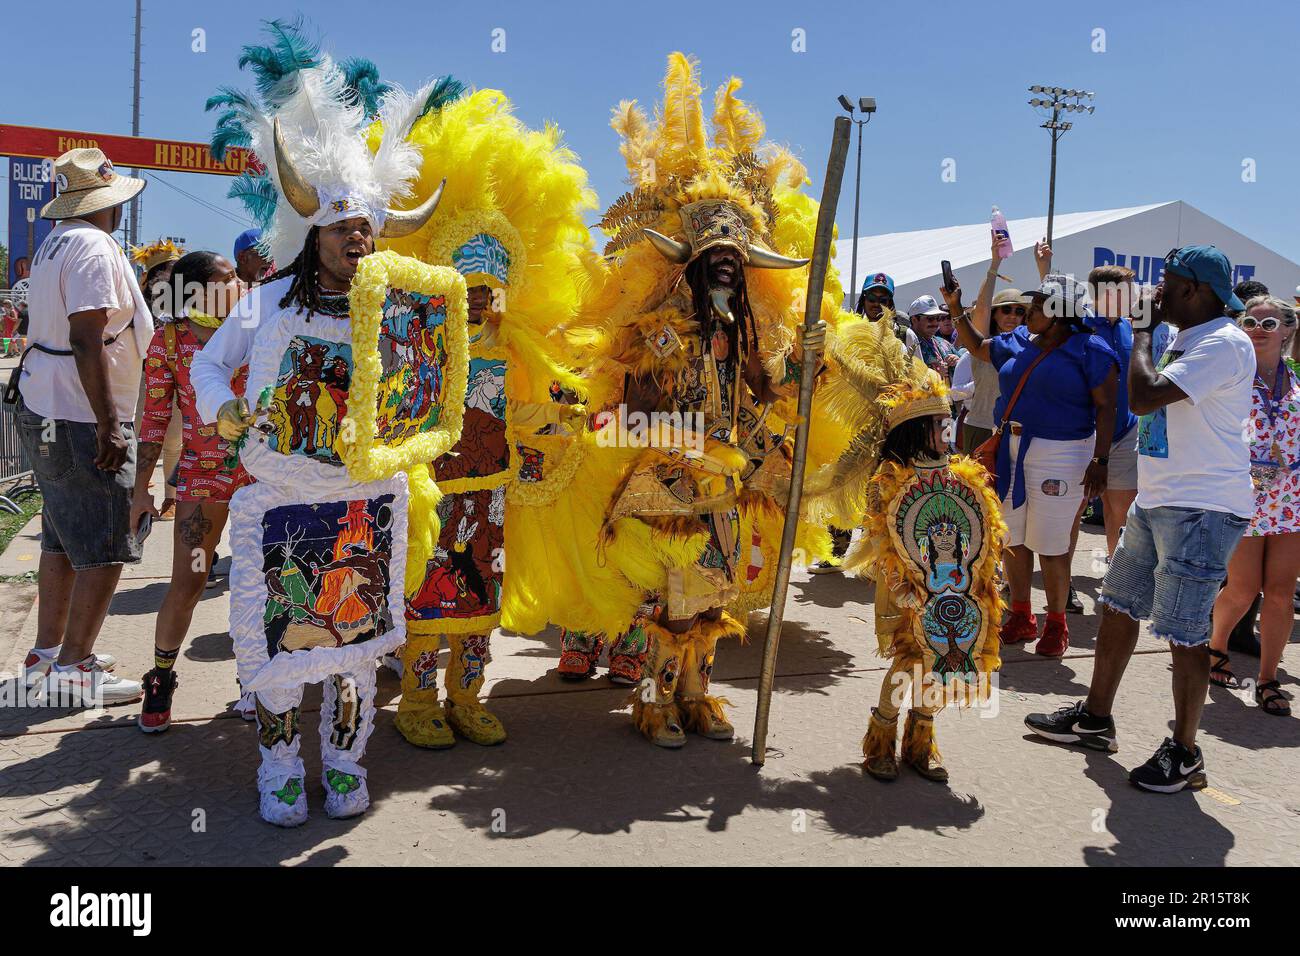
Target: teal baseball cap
1205, 264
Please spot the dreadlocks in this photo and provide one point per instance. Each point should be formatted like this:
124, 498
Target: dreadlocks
697, 278
304, 290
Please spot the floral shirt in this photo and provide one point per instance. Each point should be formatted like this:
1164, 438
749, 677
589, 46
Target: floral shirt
1274, 433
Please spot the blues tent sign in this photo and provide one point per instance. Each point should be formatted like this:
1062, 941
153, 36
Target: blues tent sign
30, 188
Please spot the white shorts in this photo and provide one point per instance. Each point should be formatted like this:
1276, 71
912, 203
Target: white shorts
1122, 473
1054, 473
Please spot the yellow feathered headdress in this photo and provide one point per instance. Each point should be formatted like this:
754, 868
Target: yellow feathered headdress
511, 215
686, 186
876, 387
692, 193
156, 253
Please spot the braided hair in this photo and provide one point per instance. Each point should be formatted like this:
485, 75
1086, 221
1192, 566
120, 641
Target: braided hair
304, 290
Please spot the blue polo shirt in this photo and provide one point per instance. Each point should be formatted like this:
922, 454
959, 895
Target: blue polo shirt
1120, 339
1056, 402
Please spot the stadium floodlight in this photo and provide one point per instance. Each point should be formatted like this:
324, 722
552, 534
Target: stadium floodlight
1062, 101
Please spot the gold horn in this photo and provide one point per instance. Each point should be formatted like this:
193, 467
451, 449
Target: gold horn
761, 258
670, 249
300, 193
398, 223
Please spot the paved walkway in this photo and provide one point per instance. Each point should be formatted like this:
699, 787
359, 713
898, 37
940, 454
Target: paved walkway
575, 784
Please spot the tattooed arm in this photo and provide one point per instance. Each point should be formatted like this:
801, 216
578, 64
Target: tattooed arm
142, 502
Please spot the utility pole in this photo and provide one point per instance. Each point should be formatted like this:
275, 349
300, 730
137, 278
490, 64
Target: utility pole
867, 106
1061, 101
133, 236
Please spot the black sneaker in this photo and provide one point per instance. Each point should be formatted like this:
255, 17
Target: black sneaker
156, 712
1171, 768
1072, 603
1072, 724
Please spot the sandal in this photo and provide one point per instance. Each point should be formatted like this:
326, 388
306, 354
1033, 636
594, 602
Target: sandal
1271, 699
1220, 674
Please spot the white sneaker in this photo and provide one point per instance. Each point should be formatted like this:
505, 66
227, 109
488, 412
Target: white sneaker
824, 567
38, 664
87, 685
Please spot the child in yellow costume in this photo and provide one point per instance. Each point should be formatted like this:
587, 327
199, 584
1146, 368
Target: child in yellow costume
697, 311
512, 223
932, 539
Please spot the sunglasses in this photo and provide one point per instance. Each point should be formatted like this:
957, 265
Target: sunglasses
1248, 323
1019, 311
879, 299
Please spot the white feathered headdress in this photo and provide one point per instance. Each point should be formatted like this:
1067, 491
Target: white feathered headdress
309, 131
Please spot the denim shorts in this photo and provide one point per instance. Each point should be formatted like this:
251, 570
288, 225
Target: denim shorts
86, 514
1168, 567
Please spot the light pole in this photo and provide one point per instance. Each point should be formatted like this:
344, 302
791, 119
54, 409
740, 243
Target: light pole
866, 106
1060, 101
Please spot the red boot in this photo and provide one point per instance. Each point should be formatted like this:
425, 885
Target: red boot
1019, 627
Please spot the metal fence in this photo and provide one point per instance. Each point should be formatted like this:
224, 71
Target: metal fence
15, 472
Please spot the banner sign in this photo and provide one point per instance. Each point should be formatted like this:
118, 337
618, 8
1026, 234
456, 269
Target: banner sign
30, 188
1150, 270
139, 152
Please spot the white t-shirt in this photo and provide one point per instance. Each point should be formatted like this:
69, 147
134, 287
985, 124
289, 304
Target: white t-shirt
76, 269
1194, 453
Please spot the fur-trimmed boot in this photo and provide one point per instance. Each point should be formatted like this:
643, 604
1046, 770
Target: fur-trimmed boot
920, 751
420, 717
654, 709
701, 712
880, 746
465, 675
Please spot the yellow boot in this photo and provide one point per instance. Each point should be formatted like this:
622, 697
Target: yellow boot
920, 750
701, 712
468, 716
654, 711
880, 746
420, 718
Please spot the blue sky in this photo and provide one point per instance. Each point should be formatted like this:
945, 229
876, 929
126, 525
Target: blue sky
1185, 91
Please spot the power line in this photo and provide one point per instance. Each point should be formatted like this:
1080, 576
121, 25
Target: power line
202, 202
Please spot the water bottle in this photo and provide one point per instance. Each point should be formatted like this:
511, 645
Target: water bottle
998, 223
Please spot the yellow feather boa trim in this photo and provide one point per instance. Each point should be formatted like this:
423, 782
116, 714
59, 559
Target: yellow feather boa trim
367, 458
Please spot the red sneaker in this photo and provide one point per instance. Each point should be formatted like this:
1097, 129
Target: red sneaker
1018, 628
156, 713
1055, 640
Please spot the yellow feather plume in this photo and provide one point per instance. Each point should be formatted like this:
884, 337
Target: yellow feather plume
736, 127
682, 142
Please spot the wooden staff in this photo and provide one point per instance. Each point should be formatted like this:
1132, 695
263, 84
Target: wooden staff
812, 314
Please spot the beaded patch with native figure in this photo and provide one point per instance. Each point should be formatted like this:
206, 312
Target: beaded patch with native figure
939, 527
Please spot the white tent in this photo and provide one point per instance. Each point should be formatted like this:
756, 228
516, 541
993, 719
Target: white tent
1138, 237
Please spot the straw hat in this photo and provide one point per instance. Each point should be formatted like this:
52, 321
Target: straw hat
1010, 297
87, 183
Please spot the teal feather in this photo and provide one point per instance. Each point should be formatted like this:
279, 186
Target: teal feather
362, 78
257, 193
289, 52
446, 90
